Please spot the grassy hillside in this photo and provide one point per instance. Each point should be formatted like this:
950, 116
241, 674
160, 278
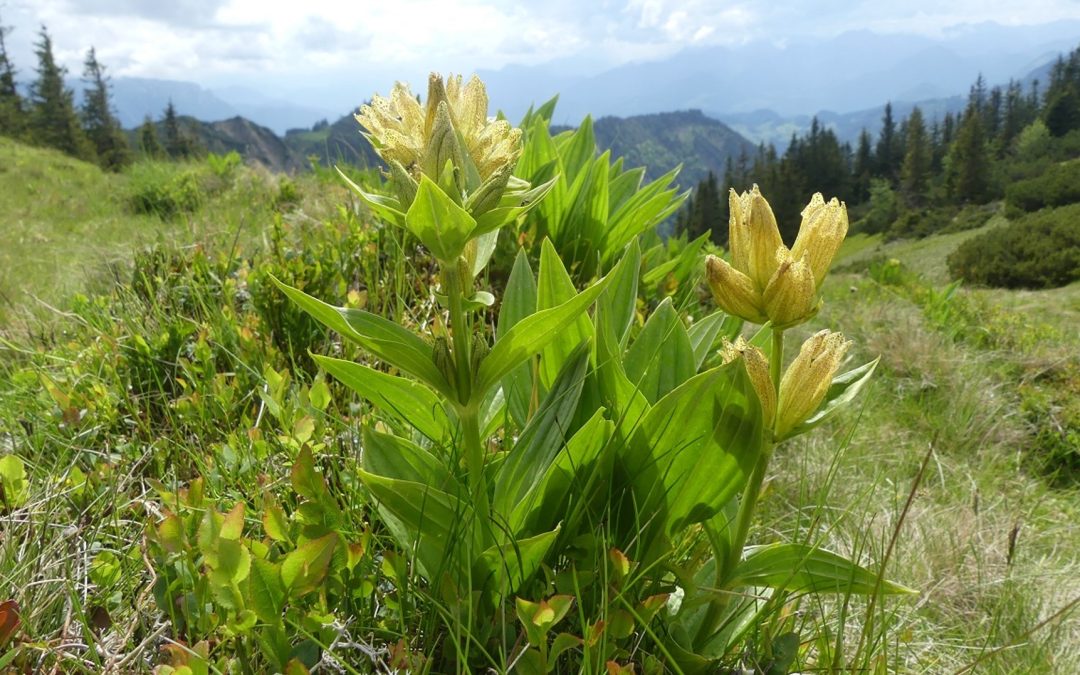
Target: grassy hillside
188, 364
66, 222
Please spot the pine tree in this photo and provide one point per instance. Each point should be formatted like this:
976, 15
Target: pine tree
149, 144
1062, 113
887, 154
12, 111
969, 162
53, 120
863, 169
915, 173
101, 125
177, 143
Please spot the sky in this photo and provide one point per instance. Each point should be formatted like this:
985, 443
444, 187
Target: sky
282, 49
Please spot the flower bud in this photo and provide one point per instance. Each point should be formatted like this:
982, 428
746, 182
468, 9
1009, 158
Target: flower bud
808, 379
754, 236
404, 184
490, 193
757, 368
480, 351
789, 296
445, 362
823, 228
733, 291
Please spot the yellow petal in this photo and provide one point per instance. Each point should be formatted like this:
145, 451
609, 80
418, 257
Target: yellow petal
739, 230
789, 296
808, 379
823, 228
764, 239
733, 290
757, 368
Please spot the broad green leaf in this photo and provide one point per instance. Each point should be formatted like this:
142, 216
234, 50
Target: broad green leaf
491, 221
437, 527
384, 339
619, 303
395, 457
627, 406
578, 149
703, 336
554, 288
14, 488
266, 590
303, 570
387, 208
544, 436
841, 393
572, 474
799, 568
410, 402
661, 357
519, 301
440, 224
504, 568
698, 446
623, 184
530, 335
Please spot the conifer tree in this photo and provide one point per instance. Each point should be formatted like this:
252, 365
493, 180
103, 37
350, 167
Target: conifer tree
12, 111
53, 120
968, 162
149, 144
887, 154
102, 127
915, 173
863, 169
177, 143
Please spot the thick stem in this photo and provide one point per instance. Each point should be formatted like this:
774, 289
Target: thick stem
460, 328
747, 504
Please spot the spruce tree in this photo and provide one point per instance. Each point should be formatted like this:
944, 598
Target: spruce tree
177, 143
915, 173
969, 162
149, 144
887, 155
863, 169
12, 111
101, 125
53, 121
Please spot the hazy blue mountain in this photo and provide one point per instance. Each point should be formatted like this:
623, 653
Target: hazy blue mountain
850, 72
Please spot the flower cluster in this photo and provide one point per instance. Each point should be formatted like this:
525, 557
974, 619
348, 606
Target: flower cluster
767, 282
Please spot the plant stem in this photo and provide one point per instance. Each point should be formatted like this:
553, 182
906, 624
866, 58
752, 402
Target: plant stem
467, 411
747, 504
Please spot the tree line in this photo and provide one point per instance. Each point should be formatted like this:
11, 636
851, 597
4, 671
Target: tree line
47, 114
914, 169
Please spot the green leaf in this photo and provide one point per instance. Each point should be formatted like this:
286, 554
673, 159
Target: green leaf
542, 439
395, 457
275, 524
703, 336
410, 402
519, 302
387, 208
571, 475
14, 488
661, 357
303, 570
319, 395
554, 288
266, 590
620, 396
502, 569
802, 568
439, 528
578, 150
619, 303
440, 224
842, 392
384, 339
696, 448
531, 335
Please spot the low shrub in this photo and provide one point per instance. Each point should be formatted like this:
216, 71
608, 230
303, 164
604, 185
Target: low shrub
919, 223
1057, 186
1040, 250
165, 190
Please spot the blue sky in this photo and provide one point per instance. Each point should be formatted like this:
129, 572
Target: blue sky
286, 48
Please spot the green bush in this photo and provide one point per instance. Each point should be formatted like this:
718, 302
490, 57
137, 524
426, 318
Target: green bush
1040, 250
972, 217
164, 189
919, 223
1057, 186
